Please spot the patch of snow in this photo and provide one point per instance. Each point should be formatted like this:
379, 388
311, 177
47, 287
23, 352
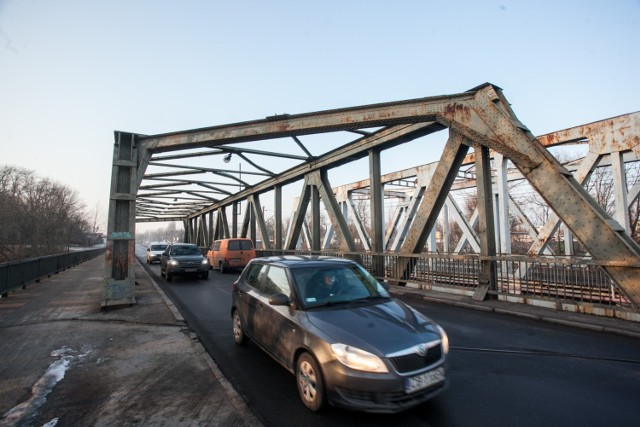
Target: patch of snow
52, 376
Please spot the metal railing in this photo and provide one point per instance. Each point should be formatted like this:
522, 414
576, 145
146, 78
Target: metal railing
560, 280
17, 274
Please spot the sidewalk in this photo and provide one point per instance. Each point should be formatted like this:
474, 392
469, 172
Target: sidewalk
566, 318
67, 363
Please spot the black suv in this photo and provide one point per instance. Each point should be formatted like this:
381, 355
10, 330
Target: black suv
182, 259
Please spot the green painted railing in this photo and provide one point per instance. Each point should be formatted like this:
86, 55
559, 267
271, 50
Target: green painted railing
19, 273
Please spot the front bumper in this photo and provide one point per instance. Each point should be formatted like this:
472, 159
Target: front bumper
178, 270
379, 393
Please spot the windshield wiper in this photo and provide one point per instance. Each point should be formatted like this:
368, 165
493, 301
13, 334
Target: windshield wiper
370, 298
330, 303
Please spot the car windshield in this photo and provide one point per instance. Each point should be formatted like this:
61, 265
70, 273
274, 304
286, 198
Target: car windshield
338, 284
158, 247
186, 250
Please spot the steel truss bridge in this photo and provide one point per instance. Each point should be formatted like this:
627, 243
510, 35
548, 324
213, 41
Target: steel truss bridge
387, 221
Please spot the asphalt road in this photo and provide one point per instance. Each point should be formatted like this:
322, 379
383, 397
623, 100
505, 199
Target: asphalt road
503, 370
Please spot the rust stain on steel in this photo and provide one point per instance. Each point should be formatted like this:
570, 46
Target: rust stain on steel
461, 112
283, 127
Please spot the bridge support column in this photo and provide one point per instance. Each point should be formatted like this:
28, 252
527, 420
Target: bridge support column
486, 230
119, 274
377, 213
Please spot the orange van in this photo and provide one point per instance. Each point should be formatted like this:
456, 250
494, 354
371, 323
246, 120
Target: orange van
230, 253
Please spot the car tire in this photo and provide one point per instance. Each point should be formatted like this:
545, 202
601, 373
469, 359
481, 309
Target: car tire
310, 383
238, 328
168, 276
221, 268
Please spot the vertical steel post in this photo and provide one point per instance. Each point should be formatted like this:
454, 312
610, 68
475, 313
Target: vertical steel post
185, 226
621, 213
277, 217
209, 237
377, 212
315, 219
503, 203
486, 232
252, 224
119, 277
445, 229
234, 220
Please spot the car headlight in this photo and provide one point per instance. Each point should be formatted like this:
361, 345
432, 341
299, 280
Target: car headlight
205, 261
174, 262
360, 360
445, 339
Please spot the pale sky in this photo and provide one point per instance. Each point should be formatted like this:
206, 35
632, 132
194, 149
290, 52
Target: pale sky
73, 71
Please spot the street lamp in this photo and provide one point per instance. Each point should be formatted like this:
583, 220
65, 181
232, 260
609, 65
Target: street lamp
227, 159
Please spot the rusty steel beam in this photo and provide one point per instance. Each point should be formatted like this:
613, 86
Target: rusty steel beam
436, 193
297, 220
620, 133
368, 116
433, 200
320, 181
493, 124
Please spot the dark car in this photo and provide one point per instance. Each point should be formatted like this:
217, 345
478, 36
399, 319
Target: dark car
329, 322
183, 259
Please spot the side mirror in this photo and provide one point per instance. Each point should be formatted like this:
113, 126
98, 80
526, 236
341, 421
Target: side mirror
279, 299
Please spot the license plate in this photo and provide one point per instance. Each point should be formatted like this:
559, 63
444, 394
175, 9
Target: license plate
190, 270
423, 380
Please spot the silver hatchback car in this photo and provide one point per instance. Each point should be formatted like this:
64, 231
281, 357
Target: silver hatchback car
330, 323
154, 251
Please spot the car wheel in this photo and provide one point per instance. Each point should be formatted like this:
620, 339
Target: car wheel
168, 276
238, 328
310, 383
221, 268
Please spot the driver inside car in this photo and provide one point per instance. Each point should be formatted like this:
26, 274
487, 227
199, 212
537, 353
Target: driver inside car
327, 287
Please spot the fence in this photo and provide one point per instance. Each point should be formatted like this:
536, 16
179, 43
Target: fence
558, 280
17, 274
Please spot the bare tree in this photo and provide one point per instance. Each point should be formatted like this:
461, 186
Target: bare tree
38, 216
633, 177
600, 186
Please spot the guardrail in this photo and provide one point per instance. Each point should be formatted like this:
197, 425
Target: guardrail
554, 282
17, 274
